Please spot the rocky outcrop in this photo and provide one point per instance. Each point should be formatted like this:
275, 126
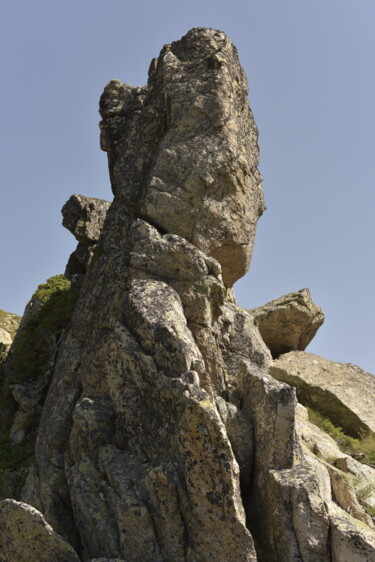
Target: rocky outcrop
25, 535
341, 478
351, 541
183, 152
163, 437
344, 393
9, 324
84, 217
288, 323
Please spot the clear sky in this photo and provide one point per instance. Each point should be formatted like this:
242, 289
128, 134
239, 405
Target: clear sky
310, 65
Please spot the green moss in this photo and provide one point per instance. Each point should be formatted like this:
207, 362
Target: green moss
350, 445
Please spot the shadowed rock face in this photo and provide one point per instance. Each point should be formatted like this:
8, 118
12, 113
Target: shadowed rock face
183, 151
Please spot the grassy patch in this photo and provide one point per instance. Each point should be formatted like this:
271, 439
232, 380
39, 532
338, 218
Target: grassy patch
364, 493
34, 351
32, 354
32, 359
350, 445
370, 510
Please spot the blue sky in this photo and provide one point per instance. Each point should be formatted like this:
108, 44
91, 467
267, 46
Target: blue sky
310, 66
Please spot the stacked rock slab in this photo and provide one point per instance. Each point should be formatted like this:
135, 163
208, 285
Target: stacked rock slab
288, 323
344, 393
163, 438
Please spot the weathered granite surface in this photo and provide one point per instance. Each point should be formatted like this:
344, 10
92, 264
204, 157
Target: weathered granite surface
183, 152
84, 217
25, 535
344, 393
288, 323
163, 437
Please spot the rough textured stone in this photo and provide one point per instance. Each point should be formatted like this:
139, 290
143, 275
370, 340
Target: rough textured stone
363, 478
183, 150
314, 439
163, 438
331, 388
351, 540
84, 217
341, 478
27, 399
25, 535
288, 323
137, 395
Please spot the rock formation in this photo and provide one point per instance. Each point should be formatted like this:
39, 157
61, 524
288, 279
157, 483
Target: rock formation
9, 323
288, 323
84, 218
163, 435
20, 523
343, 393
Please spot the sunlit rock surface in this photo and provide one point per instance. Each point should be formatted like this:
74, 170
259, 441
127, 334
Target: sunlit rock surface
163, 435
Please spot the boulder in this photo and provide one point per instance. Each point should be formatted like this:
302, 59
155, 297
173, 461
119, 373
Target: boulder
288, 323
344, 393
26, 535
84, 217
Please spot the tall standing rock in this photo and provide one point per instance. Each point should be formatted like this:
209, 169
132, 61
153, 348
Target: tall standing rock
139, 452
183, 151
163, 438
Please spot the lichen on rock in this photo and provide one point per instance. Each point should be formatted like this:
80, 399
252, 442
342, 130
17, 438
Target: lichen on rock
163, 434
